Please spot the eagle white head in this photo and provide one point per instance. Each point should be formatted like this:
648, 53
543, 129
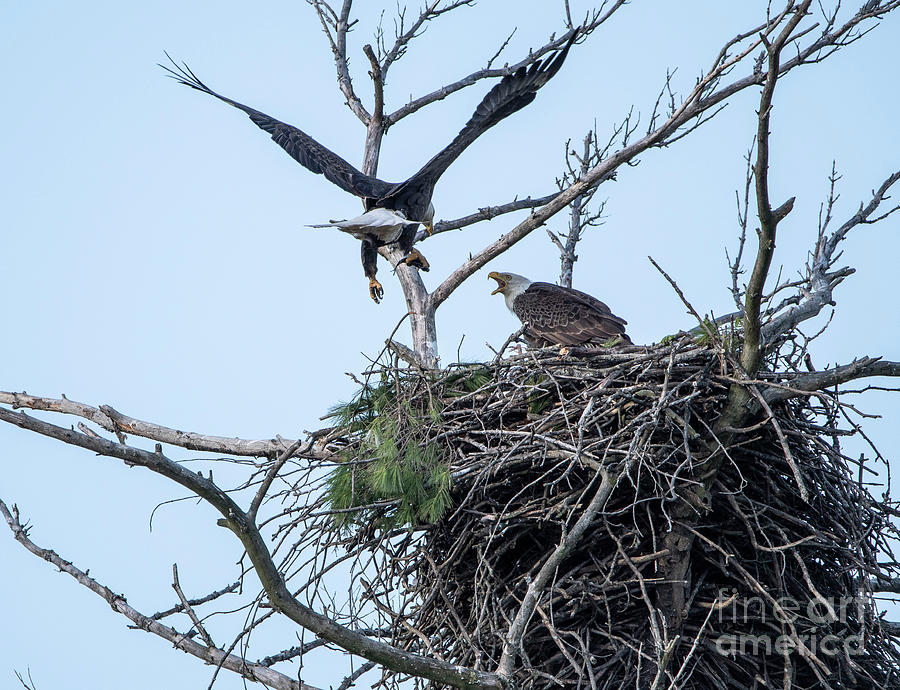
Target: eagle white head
510, 285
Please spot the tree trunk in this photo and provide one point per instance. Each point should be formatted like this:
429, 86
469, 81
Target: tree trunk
418, 300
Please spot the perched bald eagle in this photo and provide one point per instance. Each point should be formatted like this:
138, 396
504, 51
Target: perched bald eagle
410, 200
555, 315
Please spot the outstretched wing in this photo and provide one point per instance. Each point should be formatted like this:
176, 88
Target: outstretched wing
302, 147
563, 316
513, 93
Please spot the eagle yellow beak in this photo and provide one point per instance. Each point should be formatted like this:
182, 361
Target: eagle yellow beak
501, 281
429, 228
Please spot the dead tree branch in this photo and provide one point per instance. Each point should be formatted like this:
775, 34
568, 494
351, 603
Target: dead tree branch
198, 625
117, 423
336, 26
737, 411
743, 212
350, 680
751, 354
375, 126
119, 604
430, 11
487, 73
821, 278
806, 384
281, 599
580, 218
178, 608
488, 213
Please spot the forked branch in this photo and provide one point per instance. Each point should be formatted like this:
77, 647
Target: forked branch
209, 654
738, 409
816, 291
279, 596
769, 218
336, 25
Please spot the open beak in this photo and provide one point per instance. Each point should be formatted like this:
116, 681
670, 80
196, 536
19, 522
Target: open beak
501, 283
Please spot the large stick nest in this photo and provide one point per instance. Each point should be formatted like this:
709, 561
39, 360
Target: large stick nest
449, 492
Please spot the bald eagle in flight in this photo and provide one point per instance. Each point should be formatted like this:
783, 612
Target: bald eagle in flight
555, 315
409, 202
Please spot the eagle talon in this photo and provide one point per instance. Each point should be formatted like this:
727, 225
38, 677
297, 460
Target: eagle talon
376, 292
415, 258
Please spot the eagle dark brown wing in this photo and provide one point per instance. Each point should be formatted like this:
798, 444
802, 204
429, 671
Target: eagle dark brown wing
562, 316
513, 93
412, 197
301, 147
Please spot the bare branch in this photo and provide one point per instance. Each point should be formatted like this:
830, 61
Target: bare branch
375, 127
701, 322
788, 456
30, 684
209, 654
402, 352
487, 213
178, 608
269, 478
444, 91
533, 56
198, 626
743, 216
336, 27
272, 580
579, 217
350, 680
751, 354
418, 305
820, 281
294, 652
811, 54
805, 384
117, 423
498, 354
558, 243
404, 36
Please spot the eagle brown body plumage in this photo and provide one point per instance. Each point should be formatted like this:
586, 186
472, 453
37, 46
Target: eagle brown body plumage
555, 315
562, 316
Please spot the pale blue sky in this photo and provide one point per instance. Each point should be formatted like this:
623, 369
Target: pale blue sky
155, 254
